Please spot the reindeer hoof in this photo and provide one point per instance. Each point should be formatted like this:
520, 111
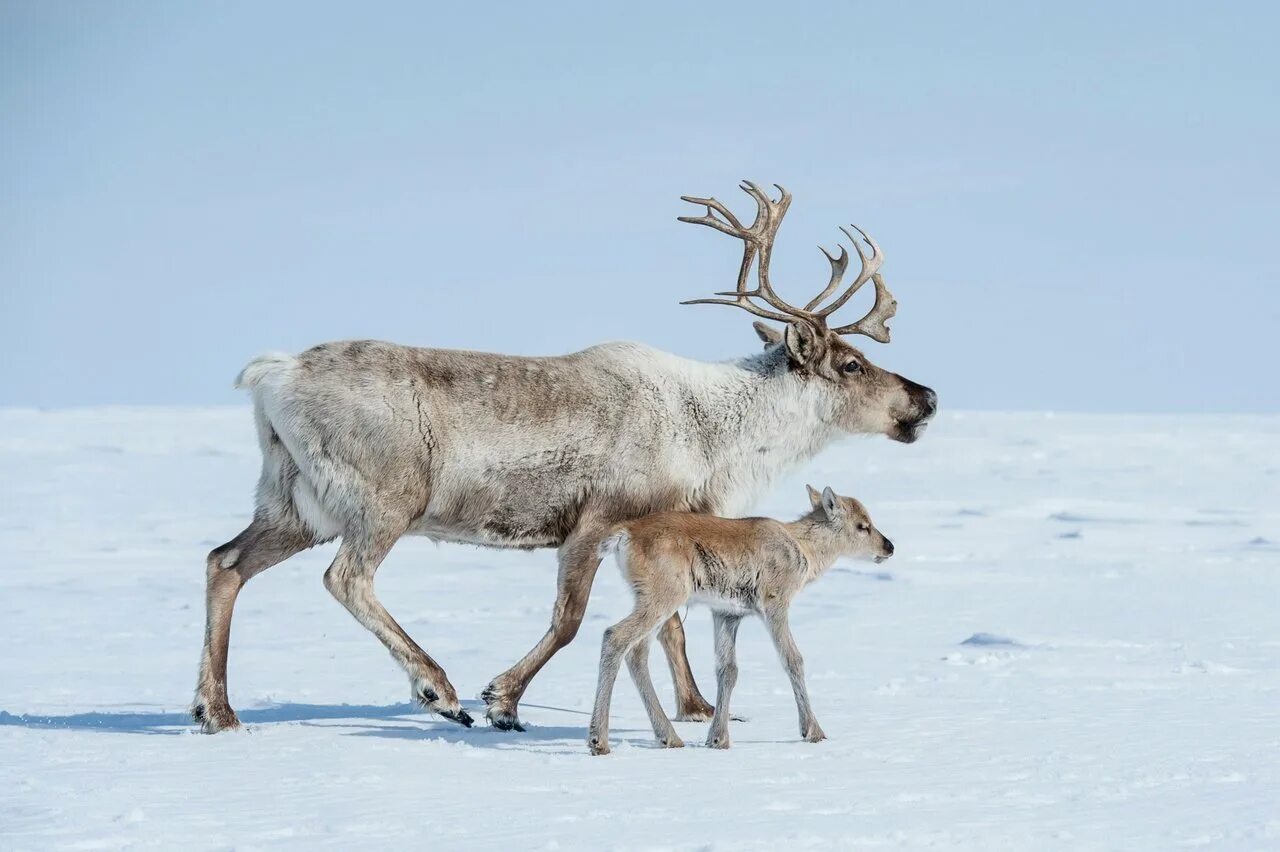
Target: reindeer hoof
499, 716
672, 742
695, 711
597, 746
211, 721
462, 717
429, 699
504, 720
718, 742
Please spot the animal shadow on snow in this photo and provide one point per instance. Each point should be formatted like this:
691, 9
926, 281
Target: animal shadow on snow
145, 722
425, 727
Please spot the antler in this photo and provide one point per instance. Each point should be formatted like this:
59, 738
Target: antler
758, 239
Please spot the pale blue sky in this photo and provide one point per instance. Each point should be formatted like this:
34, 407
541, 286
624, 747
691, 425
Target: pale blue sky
1078, 202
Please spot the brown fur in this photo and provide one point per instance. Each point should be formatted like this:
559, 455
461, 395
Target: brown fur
741, 566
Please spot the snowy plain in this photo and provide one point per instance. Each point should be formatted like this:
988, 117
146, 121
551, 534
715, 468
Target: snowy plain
1077, 646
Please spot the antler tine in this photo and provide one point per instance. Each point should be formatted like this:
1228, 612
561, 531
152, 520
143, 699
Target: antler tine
838, 266
741, 302
870, 266
769, 215
733, 227
873, 324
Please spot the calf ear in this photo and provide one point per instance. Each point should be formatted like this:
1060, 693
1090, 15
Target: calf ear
804, 345
815, 497
831, 505
767, 333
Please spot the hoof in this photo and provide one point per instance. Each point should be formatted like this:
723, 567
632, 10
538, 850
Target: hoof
500, 715
697, 710
815, 736
212, 720
504, 720
449, 709
718, 742
597, 746
462, 717
671, 742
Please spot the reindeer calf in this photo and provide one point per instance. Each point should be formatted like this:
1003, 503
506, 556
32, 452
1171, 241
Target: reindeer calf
737, 567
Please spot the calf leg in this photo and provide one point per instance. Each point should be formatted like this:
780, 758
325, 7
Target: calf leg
789, 653
690, 705
350, 580
618, 640
638, 664
726, 627
262, 544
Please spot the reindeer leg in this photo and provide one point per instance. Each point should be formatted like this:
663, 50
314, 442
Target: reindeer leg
638, 664
262, 544
618, 640
690, 705
726, 676
780, 631
579, 559
350, 580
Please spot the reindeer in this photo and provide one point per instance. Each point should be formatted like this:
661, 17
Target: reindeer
739, 567
369, 441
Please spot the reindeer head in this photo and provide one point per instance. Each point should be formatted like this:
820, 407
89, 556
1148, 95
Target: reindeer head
851, 524
869, 399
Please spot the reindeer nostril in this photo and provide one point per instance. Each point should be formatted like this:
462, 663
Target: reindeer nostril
929, 403
888, 547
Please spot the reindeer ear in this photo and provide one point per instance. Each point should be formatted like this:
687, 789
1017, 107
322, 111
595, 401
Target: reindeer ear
767, 333
831, 504
815, 497
803, 343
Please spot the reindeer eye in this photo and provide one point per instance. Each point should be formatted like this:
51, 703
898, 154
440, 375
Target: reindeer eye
851, 367
864, 528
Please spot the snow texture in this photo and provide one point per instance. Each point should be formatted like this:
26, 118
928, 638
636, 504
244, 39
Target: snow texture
1077, 646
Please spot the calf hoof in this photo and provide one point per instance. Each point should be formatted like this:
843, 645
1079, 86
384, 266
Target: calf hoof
213, 718
695, 709
718, 742
815, 735
671, 741
500, 712
597, 745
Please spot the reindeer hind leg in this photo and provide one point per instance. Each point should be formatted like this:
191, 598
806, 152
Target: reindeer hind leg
262, 544
690, 705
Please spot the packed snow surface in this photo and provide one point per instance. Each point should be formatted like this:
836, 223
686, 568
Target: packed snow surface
1076, 646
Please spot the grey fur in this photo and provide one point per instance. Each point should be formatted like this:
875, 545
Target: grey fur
370, 441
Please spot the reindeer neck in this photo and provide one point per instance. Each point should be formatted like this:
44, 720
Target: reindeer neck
772, 421
820, 543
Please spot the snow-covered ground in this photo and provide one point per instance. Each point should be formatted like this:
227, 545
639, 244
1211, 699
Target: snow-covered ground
1077, 646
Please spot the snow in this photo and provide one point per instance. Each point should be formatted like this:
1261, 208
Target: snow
1077, 646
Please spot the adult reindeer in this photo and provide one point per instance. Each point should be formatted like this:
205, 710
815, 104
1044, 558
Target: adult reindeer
370, 441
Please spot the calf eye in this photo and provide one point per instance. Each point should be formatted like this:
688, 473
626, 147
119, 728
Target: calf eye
851, 367
864, 528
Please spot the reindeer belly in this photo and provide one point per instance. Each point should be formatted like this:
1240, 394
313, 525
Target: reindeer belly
531, 501
720, 586
727, 605
488, 520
